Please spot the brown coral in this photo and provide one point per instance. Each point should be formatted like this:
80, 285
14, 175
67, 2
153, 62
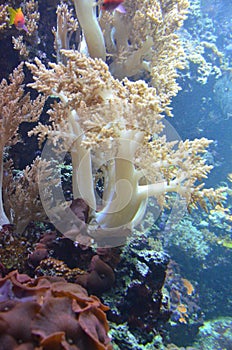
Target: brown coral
50, 313
100, 277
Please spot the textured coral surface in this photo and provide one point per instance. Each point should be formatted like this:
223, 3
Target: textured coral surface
49, 313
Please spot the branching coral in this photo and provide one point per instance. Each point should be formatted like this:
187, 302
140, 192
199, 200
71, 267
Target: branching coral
115, 128
205, 53
15, 107
4, 16
24, 43
149, 43
32, 16
144, 39
21, 196
66, 26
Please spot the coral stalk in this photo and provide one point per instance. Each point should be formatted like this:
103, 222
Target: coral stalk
86, 14
82, 167
3, 218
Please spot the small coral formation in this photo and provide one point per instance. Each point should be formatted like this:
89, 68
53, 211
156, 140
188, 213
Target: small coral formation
215, 334
4, 17
25, 44
66, 26
14, 249
32, 16
190, 240
56, 315
205, 52
186, 315
96, 274
48, 266
21, 195
99, 277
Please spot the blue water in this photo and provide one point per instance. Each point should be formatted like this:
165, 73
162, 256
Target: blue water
205, 109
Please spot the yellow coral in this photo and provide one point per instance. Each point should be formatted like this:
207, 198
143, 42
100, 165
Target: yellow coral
188, 285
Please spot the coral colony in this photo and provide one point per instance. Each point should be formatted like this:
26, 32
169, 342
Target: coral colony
114, 126
110, 120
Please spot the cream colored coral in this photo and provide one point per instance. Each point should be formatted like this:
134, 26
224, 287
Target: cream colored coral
20, 46
15, 107
4, 17
135, 40
144, 40
66, 26
32, 16
116, 127
86, 14
21, 195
